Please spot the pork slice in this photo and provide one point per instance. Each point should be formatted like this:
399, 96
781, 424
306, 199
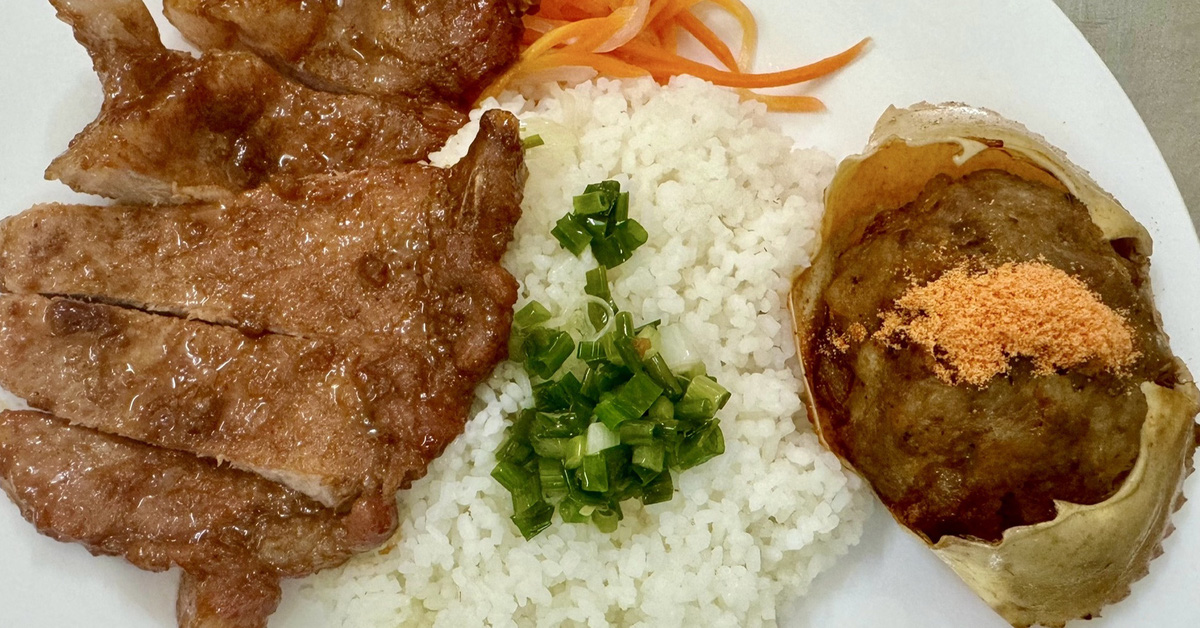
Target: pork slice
286, 408
448, 49
333, 256
233, 533
174, 128
358, 255
399, 269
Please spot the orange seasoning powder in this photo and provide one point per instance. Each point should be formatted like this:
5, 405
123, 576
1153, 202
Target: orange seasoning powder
977, 322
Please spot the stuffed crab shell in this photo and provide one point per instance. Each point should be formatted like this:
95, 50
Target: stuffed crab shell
979, 342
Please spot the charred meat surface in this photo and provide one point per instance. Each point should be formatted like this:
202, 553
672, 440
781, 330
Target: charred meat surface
286, 408
968, 460
385, 284
174, 128
445, 49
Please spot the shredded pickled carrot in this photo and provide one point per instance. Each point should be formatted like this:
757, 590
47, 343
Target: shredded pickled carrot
627, 38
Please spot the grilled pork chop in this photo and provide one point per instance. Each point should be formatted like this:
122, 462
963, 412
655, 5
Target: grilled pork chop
286, 408
447, 49
233, 533
397, 270
174, 128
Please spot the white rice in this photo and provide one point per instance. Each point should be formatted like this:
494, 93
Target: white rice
731, 211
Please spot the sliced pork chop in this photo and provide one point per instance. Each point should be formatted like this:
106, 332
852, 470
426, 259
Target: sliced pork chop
233, 533
286, 408
446, 49
174, 128
396, 268
354, 255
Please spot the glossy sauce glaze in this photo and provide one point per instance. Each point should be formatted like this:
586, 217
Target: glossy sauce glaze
176, 128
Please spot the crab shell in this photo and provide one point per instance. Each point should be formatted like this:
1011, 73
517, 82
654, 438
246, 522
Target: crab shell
1088, 555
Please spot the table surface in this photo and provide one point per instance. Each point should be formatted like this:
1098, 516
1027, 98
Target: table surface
1153, 48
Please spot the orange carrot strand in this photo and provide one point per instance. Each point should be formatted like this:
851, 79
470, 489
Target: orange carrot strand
640, 38
651, 59
708, 39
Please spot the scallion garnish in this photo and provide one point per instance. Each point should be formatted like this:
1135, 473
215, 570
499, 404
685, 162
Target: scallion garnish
600, 217
532, 141
572, 236
611, 418
533, 313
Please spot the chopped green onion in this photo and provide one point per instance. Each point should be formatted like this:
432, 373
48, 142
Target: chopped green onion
645, 476
550, 447
514, 450
661, 489
553, 477
621, 415
597, 226
571, 235
703, 398
629, 355
546, 351
639, 393
533, 313
524, 423
559, 425
632, 401
590, 351
638, 432
531, 522
527, 495
596, 284
589, 203
599, 438
601, 378
593, 474
573, 510
532, 141
661, 409
631, 234
608, 188
556, 395
671, 429
616, 459
649, 456
657, 369
609, 251
624, 325
621, 211
701, 447
516, 345
511, 476
576, 449
606, 519
710, 388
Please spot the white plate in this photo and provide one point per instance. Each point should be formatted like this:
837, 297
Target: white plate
1022, 58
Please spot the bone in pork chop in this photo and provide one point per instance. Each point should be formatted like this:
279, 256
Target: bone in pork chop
397, 269
286, 408
174, 128
447, 49
233, 533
